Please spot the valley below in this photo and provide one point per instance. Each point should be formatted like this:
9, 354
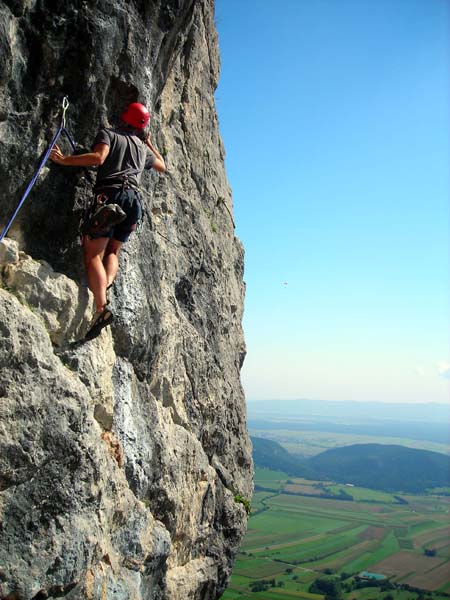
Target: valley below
326, 539
296, 537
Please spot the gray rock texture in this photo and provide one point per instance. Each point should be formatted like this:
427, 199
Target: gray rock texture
121, 458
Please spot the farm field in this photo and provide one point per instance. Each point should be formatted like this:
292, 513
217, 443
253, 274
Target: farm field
294, 539
360, 493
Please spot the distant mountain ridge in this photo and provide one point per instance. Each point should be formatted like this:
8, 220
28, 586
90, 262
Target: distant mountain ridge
378, 466
413, 430
427, 422
349, 410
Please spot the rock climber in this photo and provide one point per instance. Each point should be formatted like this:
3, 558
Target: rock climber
121, 155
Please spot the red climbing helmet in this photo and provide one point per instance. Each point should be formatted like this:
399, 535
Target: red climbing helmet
136, 115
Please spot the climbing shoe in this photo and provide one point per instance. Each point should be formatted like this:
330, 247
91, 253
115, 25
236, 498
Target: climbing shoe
100, 320
102, 219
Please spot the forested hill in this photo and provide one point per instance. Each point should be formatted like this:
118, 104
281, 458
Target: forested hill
376, 466
270, 454
384, 467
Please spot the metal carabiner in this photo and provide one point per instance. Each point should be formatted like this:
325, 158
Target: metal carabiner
65, 106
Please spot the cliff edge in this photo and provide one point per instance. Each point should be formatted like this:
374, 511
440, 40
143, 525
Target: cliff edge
122, 460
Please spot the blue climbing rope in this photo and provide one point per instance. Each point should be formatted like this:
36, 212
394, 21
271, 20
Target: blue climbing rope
62, 128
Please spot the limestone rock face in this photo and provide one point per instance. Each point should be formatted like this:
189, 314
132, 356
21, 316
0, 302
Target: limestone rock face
120, 458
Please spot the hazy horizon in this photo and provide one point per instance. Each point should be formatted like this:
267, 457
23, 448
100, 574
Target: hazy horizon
426, 420
335, 400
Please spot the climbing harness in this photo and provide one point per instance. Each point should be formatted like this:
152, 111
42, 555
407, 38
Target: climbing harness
102, 219
100, 215
62, 129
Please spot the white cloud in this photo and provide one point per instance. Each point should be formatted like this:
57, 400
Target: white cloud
420, 371
444, 368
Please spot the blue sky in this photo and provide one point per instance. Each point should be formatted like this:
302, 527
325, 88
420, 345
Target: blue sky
335, 119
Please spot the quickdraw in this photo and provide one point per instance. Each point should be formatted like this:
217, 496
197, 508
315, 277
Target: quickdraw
61, 129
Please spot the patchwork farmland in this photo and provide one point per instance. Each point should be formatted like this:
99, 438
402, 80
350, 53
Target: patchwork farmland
296, 535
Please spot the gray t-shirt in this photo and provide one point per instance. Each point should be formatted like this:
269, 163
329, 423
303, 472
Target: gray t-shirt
128, 157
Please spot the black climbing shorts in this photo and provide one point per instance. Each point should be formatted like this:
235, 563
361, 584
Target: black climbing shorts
129, 201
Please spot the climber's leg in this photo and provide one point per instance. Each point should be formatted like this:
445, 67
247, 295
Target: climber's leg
111, 260
94, 251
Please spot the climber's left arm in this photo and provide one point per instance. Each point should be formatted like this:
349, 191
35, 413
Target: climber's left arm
158, 164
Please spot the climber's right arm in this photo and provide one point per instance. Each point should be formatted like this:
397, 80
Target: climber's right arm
90, 159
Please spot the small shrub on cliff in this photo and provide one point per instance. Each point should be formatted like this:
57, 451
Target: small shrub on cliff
241, 500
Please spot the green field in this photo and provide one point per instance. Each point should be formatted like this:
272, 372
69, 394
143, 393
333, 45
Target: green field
362, 494
293, 539
263, 476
